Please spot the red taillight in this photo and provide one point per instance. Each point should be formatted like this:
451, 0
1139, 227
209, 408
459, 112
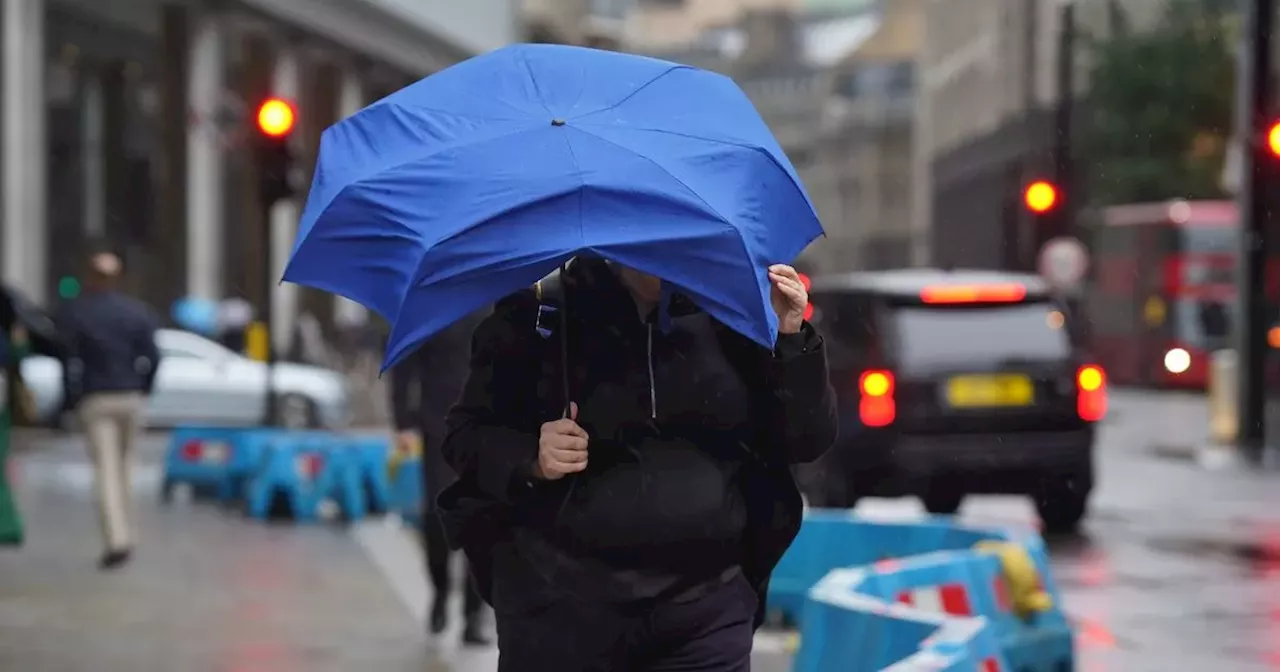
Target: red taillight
1091, 393
876, 406
1007, 293
191, 451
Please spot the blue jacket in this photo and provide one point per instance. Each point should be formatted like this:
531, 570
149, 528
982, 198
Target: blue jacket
110, 342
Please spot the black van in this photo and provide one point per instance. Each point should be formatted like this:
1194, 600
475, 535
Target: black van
954, 383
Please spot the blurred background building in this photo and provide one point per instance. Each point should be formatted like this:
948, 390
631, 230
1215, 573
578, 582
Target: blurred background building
122, 122
989, 87
913, 123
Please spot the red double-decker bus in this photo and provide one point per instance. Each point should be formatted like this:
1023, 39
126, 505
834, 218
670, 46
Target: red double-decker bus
1164, 289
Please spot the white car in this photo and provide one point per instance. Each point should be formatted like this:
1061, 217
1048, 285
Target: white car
201, 382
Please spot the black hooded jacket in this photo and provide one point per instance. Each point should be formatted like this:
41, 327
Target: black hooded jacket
692, 430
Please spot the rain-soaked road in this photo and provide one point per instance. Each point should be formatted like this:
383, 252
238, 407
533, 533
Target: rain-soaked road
1179, 570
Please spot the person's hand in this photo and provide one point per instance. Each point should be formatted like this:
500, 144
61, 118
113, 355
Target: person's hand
562, 448
789, 298
406, 443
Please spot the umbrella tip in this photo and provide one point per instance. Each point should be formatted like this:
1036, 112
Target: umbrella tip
557, 122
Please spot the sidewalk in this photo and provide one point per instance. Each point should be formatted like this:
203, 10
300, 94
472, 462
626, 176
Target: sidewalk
207, 589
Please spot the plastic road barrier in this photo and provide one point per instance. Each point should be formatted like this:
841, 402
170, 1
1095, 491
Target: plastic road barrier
933, 595
298, 471
373, 456
212, 460
266, 466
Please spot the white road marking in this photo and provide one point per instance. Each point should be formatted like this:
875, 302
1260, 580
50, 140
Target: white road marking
400, 560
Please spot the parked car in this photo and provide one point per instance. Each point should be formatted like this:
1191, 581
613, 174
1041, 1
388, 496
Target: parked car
202, 382
954, 383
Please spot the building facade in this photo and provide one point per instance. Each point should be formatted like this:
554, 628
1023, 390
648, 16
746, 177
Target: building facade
861, 180
786, 62
988, 75
125, 124
593, 23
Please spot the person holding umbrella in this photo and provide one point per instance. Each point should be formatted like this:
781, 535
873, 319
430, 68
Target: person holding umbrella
623, 445
643, 520
423, 387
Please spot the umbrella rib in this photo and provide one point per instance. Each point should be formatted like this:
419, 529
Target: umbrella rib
659, 166
746, 253
582, 185
723, 141
637, 90
524, 60
444, 148
474, 117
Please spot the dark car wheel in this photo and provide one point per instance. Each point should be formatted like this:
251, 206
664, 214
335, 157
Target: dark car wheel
295, 411
1062, 510
942, 501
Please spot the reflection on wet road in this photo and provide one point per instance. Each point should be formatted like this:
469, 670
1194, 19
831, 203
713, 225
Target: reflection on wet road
1179, 570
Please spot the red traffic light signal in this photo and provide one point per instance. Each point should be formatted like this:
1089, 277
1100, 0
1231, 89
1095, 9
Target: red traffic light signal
1273, 139
808, 309
276, 118
1040, 196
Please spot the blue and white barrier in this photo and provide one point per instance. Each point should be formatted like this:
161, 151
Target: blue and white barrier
264, 465
212, 460
933, 595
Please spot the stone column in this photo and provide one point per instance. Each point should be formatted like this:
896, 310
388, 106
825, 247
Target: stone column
351, 99
92, 153
284, 216
23, 137
205, 85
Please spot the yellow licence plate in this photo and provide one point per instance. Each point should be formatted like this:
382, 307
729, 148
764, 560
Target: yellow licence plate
990, 391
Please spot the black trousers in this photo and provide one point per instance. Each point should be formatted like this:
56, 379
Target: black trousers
712, 633
436, 549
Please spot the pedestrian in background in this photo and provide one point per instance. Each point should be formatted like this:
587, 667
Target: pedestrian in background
13, 347
110, 369
423, 388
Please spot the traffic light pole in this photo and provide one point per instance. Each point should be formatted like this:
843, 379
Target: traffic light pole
269, 416
1062, 164
1255, 103
276, 120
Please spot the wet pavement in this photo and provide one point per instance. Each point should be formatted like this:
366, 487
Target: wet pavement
1179, 570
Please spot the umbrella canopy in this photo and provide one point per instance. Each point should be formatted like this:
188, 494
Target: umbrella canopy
481, 179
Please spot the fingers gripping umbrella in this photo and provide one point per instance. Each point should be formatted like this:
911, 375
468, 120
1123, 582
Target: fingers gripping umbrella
481, 179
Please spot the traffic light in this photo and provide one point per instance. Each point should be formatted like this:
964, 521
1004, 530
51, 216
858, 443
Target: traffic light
275, 120
1040, 197
1273, 139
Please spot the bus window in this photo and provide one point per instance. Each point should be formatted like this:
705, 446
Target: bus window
1203, 325
1214, 322
1209, 239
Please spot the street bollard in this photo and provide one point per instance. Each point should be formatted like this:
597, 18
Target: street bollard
1222, 394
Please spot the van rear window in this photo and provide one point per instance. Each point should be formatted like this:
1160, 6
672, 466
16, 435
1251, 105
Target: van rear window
926, 336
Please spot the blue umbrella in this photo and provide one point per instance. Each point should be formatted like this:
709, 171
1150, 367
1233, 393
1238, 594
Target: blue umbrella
479, 180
